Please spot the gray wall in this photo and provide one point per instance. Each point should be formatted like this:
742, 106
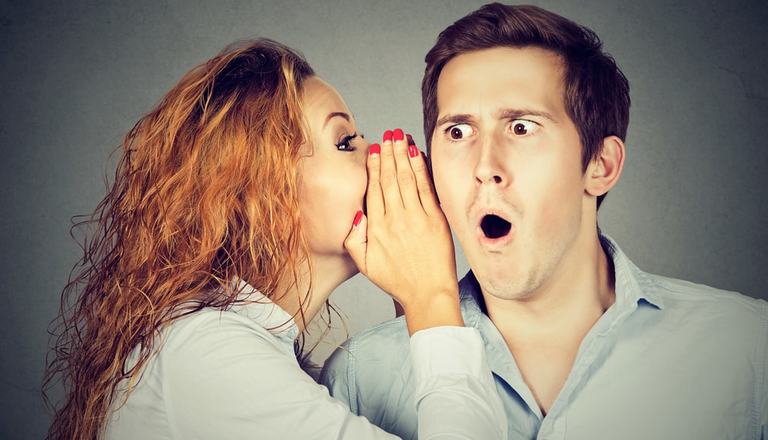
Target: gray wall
75, 76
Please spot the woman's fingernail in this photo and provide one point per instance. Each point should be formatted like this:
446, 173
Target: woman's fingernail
410, 139
387, 136
358, 217
374, 149
413, 151
398, 135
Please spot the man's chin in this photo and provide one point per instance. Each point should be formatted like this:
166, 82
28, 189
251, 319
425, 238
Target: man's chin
503, 282
506, 294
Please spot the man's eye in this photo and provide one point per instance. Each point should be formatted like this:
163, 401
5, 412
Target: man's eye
459, 131
523, 127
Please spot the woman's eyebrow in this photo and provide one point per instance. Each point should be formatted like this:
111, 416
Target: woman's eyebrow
335, 114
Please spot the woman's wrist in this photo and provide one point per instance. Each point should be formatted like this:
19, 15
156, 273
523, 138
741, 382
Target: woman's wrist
438, 309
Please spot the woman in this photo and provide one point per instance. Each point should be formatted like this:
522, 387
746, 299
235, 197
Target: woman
235, 211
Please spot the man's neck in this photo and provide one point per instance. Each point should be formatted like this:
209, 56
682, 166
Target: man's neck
566, 306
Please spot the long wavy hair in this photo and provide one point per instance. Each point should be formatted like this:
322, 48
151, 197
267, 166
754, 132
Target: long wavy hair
205, 190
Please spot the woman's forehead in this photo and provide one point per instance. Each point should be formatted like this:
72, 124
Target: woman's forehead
321, 99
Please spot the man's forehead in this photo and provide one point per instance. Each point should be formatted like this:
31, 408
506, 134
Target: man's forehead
501, 77
506, 58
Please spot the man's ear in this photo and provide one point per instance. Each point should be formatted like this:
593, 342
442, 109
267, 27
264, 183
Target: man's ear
603, 171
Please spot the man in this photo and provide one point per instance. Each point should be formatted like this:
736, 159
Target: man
525, 119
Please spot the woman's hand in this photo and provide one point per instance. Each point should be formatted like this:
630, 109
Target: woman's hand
404, 244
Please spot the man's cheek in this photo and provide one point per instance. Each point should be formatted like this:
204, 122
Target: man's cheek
446, 194
452, 214
545, 206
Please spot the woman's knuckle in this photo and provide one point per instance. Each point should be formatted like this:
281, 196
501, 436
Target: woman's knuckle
405, 179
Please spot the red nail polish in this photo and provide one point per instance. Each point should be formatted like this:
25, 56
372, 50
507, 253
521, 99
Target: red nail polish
398, 135
374, 149
410, 139
413, 151
387, 136
358, 217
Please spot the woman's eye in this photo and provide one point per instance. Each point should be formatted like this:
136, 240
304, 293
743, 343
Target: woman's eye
459, 131
523, 127
345, 143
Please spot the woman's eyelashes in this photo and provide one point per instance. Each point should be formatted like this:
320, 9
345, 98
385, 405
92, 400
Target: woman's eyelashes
345, 143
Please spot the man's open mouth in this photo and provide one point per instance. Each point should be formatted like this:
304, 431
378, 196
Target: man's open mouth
494, 226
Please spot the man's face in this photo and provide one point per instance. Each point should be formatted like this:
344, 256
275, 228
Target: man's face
507, 165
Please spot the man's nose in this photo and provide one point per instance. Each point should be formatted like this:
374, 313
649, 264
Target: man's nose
490, 168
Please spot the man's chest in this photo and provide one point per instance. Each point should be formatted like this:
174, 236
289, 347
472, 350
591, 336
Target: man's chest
633, 392
647, 391
545, 371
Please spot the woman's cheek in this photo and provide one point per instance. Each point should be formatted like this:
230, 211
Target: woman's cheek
314, 211
330, 200
344, 198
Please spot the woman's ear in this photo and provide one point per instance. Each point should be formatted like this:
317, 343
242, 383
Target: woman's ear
603, 172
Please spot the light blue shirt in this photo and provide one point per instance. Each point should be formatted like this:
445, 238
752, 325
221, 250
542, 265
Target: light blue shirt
668, 360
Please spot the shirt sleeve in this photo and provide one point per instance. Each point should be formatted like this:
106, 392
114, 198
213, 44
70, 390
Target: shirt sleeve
228, 380
455, 393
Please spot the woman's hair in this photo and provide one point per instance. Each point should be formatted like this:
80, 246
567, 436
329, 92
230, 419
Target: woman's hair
205, 191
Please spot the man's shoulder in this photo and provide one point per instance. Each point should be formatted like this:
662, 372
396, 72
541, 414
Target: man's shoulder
395, 330
713, 310
686, 296
695, 296
369, 368
383, 344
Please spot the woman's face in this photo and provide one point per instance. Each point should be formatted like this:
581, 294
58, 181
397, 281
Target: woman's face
332, 172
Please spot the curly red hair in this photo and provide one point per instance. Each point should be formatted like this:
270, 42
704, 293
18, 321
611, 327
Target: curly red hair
205, 190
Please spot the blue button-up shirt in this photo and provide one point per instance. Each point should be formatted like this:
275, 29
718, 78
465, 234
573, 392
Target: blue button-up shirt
668, 360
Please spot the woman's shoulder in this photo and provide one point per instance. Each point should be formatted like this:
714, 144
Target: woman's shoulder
209, 330
217, 372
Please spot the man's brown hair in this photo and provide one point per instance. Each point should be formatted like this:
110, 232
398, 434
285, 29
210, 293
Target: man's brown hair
596, 91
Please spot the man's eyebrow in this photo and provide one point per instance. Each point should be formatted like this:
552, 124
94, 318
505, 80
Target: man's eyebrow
335, 114
507, 113
456, 119
514, 113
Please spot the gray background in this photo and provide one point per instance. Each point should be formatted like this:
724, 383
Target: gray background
76, 75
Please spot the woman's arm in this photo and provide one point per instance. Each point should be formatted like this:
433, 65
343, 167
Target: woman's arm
226, 377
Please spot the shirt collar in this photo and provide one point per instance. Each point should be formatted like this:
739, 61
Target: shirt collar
254, 305
632, 285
